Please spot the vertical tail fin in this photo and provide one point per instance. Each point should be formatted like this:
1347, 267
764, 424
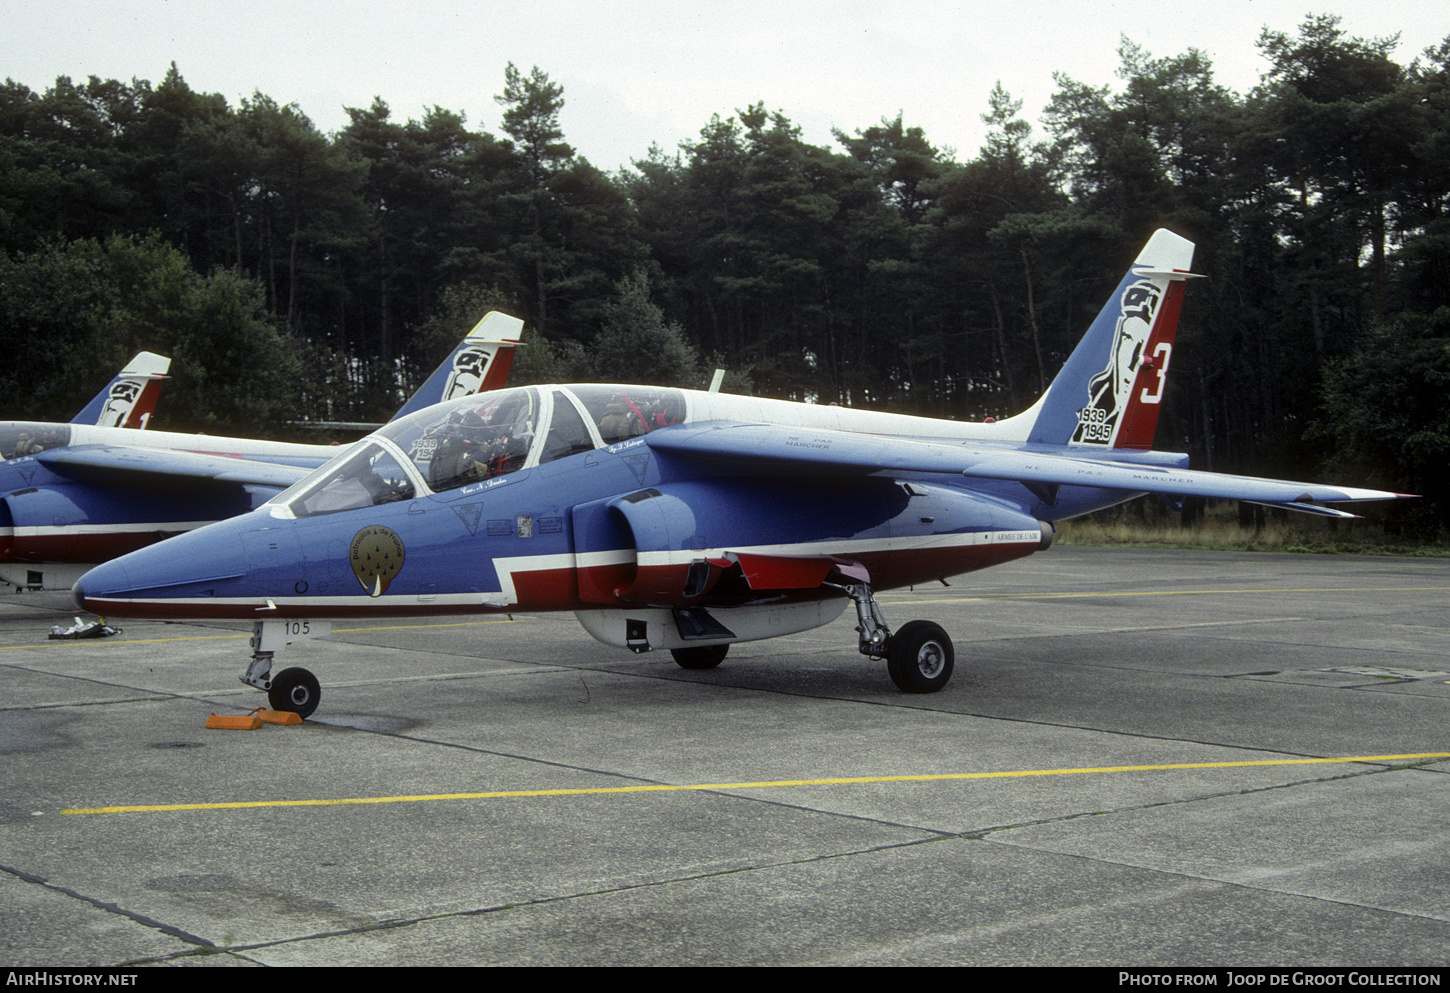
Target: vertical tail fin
1109, 391
480, 363
130, 398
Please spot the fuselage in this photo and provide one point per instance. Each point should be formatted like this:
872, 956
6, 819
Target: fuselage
552, 498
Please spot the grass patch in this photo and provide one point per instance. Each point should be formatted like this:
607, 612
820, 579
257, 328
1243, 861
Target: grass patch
1146, 523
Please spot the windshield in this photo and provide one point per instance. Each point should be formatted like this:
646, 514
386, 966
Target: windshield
366, 478
471, 439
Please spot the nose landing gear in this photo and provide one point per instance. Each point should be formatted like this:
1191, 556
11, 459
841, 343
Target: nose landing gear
293, 689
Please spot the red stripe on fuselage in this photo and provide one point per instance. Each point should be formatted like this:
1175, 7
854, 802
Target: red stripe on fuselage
557, 588
78, 547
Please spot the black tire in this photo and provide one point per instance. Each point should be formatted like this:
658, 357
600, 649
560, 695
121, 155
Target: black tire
296, 690
703, 657
920, 657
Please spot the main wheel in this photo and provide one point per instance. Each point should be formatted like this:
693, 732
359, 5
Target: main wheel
920, 657
702, 657
296, 690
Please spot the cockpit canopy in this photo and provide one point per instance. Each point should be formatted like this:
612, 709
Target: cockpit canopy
459, 443
481, 437
19, 438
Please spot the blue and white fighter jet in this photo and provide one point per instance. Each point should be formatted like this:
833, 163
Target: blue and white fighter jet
689, 521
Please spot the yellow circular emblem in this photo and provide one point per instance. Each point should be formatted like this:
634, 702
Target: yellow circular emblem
377, 556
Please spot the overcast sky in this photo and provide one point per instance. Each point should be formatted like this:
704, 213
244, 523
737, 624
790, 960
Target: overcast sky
637, 72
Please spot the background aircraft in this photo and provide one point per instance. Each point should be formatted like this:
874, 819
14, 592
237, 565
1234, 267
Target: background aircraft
480, 363
73, 495
129, 400
674, 519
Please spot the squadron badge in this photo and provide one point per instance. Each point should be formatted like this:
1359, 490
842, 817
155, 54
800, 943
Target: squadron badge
377, 556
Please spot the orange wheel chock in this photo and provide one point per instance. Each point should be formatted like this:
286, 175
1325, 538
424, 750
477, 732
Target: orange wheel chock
252, 721
277, 716
232, 722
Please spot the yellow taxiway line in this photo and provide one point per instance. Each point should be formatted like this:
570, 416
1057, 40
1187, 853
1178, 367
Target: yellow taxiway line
887, 597
768, 784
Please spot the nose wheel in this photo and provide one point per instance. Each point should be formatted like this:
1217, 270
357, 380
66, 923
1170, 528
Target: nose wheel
296, 690
292, 689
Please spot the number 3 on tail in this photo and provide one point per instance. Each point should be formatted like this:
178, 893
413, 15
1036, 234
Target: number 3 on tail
1161, 357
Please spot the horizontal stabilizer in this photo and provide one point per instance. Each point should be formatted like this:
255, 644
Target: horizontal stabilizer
1311, 508
1036, 467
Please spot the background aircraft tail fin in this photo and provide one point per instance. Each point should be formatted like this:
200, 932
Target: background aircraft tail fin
480, 363
1109, 391
129, 399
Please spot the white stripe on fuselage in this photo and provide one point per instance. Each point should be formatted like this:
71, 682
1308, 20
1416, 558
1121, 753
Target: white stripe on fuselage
63, 530
731, 408
506, 567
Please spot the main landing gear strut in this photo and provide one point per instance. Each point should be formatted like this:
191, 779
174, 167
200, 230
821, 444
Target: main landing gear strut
919, 657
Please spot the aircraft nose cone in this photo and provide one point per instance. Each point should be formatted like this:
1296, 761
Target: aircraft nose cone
160, 580
106, 578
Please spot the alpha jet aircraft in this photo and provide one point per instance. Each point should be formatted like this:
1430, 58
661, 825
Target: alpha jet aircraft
689, 521
73, 495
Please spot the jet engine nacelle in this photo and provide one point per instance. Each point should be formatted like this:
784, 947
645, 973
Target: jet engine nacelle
40, 543
40, 525
672, 545
651, 532
1049, 531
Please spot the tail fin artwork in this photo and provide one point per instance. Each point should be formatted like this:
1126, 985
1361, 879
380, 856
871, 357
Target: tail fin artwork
480, 363
1109, 391
130, 398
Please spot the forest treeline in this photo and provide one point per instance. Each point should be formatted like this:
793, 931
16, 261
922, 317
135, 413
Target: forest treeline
292, 273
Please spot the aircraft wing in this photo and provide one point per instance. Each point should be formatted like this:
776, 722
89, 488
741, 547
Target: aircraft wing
1042, 472
117, 462
1056, 470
